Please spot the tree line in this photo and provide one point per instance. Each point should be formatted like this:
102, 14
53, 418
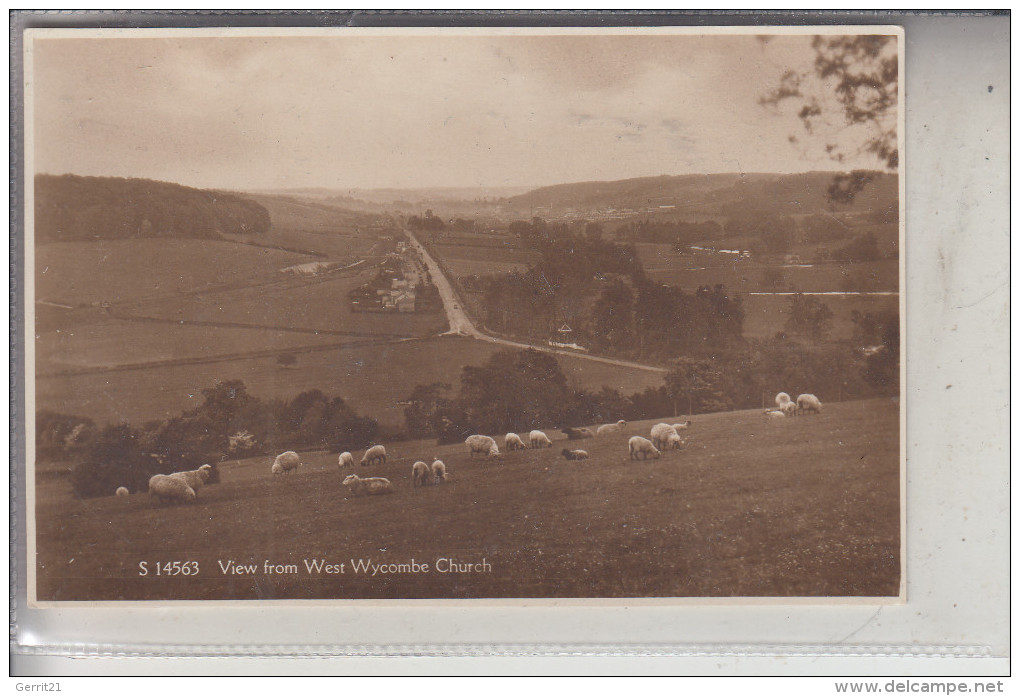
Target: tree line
230, 422
516, 391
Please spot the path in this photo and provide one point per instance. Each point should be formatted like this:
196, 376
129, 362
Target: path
461, 324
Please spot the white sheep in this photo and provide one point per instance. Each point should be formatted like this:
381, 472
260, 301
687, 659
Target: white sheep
438, 472
577, 433
664, 437
195, 478
170, 489
481, 444
286, 462
638, 444
775, 413
367, 486
122, 491
782, 398
789, 408
616, 427
809, 402
420, 474
375, 453
346, 459
681, 426
513, 441
574, 455
539, 439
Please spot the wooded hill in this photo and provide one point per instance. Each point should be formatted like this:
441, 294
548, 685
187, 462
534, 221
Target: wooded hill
76, 208
721, 194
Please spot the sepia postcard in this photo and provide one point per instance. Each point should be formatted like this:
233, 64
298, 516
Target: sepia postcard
464, 314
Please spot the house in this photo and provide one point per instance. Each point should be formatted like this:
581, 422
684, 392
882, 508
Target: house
405, 302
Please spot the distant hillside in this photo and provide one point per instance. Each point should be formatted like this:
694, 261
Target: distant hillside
73, 208
723, 194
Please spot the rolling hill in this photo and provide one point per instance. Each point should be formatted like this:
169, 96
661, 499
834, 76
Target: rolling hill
79, 208
723, 194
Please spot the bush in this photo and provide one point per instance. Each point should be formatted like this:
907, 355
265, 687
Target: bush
114, 458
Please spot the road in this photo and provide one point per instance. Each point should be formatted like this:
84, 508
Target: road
461, 324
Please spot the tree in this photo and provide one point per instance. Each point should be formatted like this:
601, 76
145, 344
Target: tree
809, 317
850, 91
112, 459
698, 385
613, 317
422, 413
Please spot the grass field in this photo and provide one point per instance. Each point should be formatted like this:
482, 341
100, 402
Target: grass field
362, 374
296, 302
809, 506
78, 273
112, 342
468, 267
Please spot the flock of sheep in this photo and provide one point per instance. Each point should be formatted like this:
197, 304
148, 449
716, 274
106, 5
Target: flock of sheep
421, 473
182, 487
785, 407
664, 436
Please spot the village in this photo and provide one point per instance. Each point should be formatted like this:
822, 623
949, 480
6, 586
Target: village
402, 284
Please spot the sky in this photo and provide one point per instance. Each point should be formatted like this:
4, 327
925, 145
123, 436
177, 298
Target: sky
360, 111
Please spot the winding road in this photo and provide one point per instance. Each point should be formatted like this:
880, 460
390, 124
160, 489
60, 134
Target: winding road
461, 324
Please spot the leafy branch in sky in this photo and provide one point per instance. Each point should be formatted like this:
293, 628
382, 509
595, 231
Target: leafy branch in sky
848, 95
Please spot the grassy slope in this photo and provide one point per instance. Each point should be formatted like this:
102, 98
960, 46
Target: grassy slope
804, 507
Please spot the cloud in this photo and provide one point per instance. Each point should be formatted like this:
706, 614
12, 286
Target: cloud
376, 111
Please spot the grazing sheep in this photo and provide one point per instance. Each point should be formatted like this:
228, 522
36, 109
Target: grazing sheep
482, 444
809, 402
420, 474
539, 439
170, 489
195, 478
438, 472
367, 486
681, 426
286, 462
574, 455
789, 408
122, 491
616, 427
665, 437
638, 444
375, 453
513, 441
577, 433
782, 398
346, 460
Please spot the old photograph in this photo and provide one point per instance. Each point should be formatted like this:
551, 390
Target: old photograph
464, 314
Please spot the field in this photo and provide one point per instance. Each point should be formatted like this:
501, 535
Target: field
296, 303
474, 258
134, 329
808, 506
361, 372
110, 343
118, 270
709, 268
